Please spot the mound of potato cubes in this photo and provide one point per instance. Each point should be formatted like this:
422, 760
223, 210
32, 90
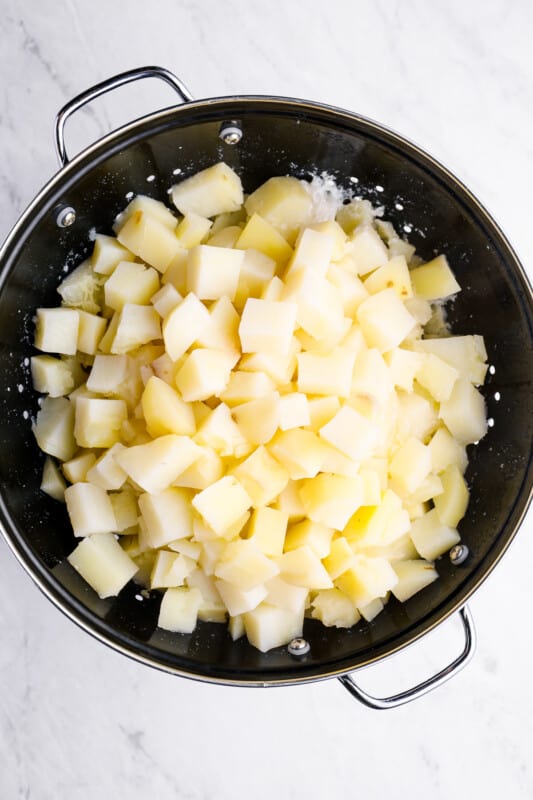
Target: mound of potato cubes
249, 413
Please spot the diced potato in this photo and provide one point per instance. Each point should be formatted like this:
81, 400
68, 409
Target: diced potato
222, 330
176, 272
302, 567
107, 254
222, 504
437, 377
184, 325
280, 368
367, 579
136, 325
467, 354
150, 240
192, 550
219, 431
166, 300
82, 289
97, 422
267, 326
445, 450
268, 627
179, 609
244, 386
244, 566
314, 535
464, 413
351, 289
354, 214
51, 376
107, 374
257, 270
258, 234
313, 251
167, 514
193, 229
54, 428
165, 411
370, 610
326, 374
339, 559
434, 280
238, 601
430, 537
236, 627
267, 530
334, 609
351, 433
290, 502
213, 272
75, 469
130, 283
106, 472
284, 202
56, 330
225, 237
207, 469
321, 410
412, 577
215, 190
151, 207
273, 289
293, 411
320, 309
367, 250
156, 465
102, 562
416, 416
331, 499
262, 476
452, 503
89, 509
410, 465
125, 509
403, 366
384, 320
170, 570
333, 229
378, 525
90, 332
205, 373
301, 452
392, 275
52, 481
258, 419
422, 310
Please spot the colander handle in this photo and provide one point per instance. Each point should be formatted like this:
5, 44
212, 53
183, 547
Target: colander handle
106, 86
426, 686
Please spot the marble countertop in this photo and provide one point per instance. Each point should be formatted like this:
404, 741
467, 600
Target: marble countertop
79, 721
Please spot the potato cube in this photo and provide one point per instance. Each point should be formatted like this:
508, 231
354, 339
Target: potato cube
222, 504
192, 550
211, 552
302, 567
258, 234
56, 330
354, 214
51, 376
150, 240
207, 469
257, 271
204, 373
351, 433
184, 325
331, 499
165, 411
213, 272
321, 410
166, 300
301, 452
333, 229
289, 501
54, 427
136, 325
244, 386
219, 431
106, 472
268, 627
130, 283
467, 354
313, 251
170, 570
155, 209
125, 510
434, 280
403, 366
280, 368
154, 466
410, 465
176, 272
52, 481
225, 237
82, 289
384, 320
267, 326
446, 450
284, 202
293, 411
370, 610
236, 626
75, 469
193, 229
350, 288
89, 509
273, 289
107, 374
179, 609
215, 190
90, 332
258, 420
416, 416
239, 601
339, 559
452, 503
107, 254
320, 310
286, 595
334, 609
326, 373
243, 565
392, 275
367, 250
316, 536
437, 377
102, 562
97, 422
267, 530
430, 537
413, 575
367, 579
464, 413
221, 332
167, 515
262, 476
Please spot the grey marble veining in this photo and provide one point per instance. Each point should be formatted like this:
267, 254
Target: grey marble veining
78, 721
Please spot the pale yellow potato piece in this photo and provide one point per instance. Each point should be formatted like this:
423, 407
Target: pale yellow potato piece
403, 366
452, 503
97, 422
207, 469
437, 377
413, 575
378, 525
273, 289
56, 330
334, 609
102, 562
90, 332
236, 627
434, 280
75, 469
170, 570
125, 509
293, 411
184, 325
467, 354
367, 250
244, 386
267, 326
105, 472
367, 579
284, 202
179, 609
221, 330
446, 450
167, 515
82, 289
268, 626
464, 413
107, 254
321, 410
166, 299
154, 466
51, 376
213, 272
193, 229
130, 283
384, 320
392, 275
89, 509
302, 567
107, 374
239, 601
331, 499
54, 427
219, 430
333, 229
286, 595
430, 537
258, 234
267, 530
351, 433
150, 240
313, 251
225, 237
314, 535
222, 504
137, 325
410, 465
280, 368
370, 610
320, 311
52, 481
351, 289
326, 374
244, 565
205, 373
258, 419
300, 451
339, 559
262, 476
257, 270
155, 209
165, 411
215, 190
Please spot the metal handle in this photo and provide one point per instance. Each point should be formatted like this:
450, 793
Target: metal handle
106, 86
426, 686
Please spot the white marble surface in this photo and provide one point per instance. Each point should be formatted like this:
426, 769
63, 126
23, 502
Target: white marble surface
78, 721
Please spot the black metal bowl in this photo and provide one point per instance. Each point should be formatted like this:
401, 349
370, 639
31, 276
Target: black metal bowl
279, 136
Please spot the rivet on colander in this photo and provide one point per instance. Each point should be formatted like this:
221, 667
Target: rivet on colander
458, 554
230, 132
299, 647
65, 217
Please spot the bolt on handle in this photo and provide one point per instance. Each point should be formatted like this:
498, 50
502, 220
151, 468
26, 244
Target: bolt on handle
381, 703
106, 86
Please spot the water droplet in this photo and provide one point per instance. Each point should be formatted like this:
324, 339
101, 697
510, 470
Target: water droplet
176, 171
129, 196
408, 228
379, 188
497, 396
490, 422
150, 178
492, 370
398, 207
